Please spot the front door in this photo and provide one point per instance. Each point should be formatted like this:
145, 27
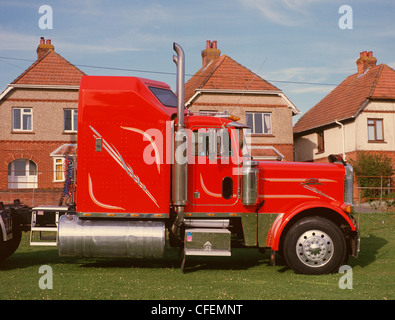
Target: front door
214, 172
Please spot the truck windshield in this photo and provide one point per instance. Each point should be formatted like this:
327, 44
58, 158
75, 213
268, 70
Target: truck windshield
165, 96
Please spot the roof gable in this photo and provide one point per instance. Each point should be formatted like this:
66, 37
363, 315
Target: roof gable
225, 74
349, 97
385, 85
51, 69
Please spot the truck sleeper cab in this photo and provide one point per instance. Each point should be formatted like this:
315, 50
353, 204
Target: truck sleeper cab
124, 202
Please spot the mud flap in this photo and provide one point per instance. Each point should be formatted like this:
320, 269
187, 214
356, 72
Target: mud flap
355, 244
273, 258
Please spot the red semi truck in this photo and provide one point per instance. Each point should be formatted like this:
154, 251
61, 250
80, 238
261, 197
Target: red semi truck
150, 174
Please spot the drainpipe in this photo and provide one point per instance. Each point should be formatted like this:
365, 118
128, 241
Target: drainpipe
342, 125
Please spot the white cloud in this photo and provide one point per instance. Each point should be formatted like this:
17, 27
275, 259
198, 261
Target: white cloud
103, 48
17, 41
320, 89
308, 75
391, 64
282, 12
19, 4
307, 80
22, 42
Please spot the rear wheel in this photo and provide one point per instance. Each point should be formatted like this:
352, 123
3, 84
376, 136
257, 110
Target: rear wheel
315, 245
7, 248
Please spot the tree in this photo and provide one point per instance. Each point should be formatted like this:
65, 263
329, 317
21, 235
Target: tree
367, 167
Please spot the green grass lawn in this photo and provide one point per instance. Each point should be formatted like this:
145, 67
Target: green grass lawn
247, 274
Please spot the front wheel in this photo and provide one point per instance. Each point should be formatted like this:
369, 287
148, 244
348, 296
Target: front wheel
314, 245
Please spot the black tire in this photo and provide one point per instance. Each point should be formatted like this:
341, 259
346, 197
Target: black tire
7, 248
315, 245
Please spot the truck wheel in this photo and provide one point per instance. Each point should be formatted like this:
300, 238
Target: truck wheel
315, 245
7, 248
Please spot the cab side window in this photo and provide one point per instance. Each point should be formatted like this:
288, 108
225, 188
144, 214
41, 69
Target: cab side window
214, 142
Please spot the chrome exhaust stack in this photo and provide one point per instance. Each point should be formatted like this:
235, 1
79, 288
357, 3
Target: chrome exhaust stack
179, 190
179, 60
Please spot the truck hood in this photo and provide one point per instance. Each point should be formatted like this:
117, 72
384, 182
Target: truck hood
289, 182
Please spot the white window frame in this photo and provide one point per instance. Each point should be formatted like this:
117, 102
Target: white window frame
321, 141
264, 116
375, 129
25, 112
54, 169
74, 113
29, 180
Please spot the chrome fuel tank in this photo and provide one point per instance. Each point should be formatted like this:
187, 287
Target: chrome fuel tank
110, 238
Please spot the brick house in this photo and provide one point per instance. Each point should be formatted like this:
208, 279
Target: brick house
222, 84
38, 126
358, 115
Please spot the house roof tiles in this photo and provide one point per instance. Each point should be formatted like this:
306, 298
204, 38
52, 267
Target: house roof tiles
65, 149
50, 69
349, 98
226, 74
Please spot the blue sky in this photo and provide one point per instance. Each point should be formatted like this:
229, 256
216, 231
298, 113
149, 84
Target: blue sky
297, 45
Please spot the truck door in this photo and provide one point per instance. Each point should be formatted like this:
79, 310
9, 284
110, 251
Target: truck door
214, 172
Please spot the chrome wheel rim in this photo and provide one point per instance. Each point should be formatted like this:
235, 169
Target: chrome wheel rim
314, 248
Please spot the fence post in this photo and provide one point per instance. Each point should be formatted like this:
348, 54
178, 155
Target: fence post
359, 195
381, 190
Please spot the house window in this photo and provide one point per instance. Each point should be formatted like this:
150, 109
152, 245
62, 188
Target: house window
320, 141
58, 170
22, 174
259, 122
22, 119
375, 130
70, 120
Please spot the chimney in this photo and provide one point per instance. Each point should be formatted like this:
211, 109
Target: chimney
44, 47
365, 61
210, 53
